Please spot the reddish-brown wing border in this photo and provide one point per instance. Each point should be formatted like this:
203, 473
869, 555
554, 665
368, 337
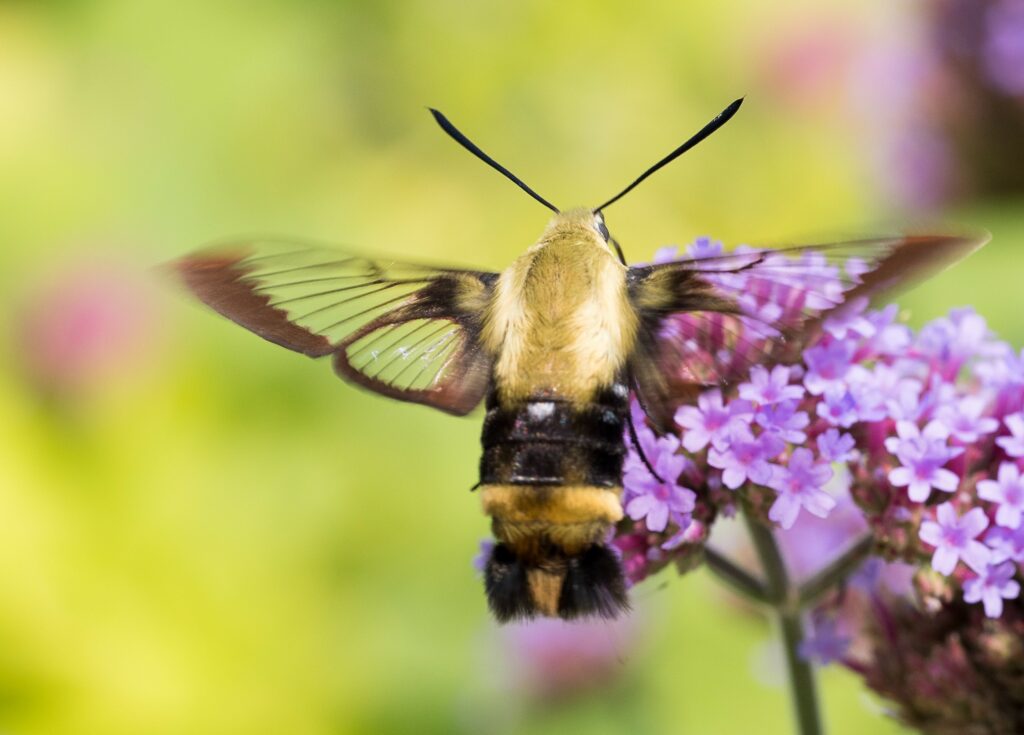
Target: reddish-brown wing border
235, 281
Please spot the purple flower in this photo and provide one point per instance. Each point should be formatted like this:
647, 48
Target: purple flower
850, 318
746, 458
993, 586
704, 247
922, 455
1008, 491
964, 419
906, 406
1013, 445
710, 421
483, 555
785, 420
1005, 543
827, 366
655, 501
890, 338
954, 338
835, 447
870, 404
666, 254
1004, 46
892, 388
690, 531
954, 538
839, 407
799, 485
825, 643
819, 280
767, 388
761, 313
1004, 369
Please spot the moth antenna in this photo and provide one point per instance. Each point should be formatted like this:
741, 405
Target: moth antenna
472, 147
721, 119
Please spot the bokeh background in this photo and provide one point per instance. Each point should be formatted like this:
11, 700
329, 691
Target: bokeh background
202, 533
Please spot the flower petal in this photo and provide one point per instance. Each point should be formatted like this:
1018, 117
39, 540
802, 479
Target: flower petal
657, 518
930, 533
919, 490
944, 560
976, 555
784, 511
990, 490
946, 515
945, 480
974, 522
1008, 516
993, 602
640, 506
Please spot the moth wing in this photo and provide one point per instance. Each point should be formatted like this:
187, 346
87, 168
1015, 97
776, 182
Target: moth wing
705, 321
406, 331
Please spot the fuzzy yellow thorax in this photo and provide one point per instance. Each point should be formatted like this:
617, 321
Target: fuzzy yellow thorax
560, 321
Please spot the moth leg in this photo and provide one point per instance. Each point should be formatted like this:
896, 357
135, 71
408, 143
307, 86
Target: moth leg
636, 443
618, 250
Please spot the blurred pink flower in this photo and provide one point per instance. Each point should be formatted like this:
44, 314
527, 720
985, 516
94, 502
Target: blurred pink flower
551, 659
86, 327
800, 63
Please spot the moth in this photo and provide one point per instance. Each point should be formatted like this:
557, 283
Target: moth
555, 346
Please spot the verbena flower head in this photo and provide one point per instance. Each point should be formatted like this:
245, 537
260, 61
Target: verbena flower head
916, 439
924, 430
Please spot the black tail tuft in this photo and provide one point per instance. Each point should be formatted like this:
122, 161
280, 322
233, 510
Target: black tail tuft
594, 585
508, 593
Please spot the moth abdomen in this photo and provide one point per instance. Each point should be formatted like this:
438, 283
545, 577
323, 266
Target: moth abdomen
551, 480
590, 583
547, 441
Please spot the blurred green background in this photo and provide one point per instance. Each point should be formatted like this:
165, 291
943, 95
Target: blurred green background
202, 533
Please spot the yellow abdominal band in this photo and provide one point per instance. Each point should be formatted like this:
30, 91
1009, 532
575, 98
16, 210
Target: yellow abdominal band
556, 504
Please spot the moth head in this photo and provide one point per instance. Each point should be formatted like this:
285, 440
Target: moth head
580, 224
589, 584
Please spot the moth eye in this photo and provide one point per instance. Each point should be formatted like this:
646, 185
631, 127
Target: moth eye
600, 226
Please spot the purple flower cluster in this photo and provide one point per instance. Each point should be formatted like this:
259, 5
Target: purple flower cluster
1003, 47
924, 431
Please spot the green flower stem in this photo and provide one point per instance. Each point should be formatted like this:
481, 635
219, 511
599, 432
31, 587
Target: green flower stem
787, 602
740, 580
784, 599
802, 686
